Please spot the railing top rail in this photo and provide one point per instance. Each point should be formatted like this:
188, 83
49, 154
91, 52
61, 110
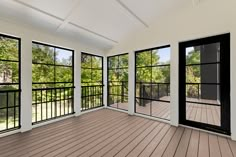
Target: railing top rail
35, 89
51, 82
118, 81
92, 86
9, 91
152, 83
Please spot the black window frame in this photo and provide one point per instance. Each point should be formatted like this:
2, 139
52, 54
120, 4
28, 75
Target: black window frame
14, 91
93, 90
224, 40
54, 89
108, 81
151, 66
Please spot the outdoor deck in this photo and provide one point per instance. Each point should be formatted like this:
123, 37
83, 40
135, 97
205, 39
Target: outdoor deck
110, 133
195, 112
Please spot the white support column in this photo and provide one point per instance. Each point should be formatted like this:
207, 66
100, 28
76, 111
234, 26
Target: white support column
131, 92
233, 84
105, 81
174, 85
26, 84
77, 82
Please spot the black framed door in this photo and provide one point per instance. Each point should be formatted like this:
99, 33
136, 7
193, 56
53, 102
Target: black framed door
204, 83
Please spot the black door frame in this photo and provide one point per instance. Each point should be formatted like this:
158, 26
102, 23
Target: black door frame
224, 83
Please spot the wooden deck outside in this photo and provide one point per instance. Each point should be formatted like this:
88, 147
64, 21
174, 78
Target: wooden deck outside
194, 112
110, 133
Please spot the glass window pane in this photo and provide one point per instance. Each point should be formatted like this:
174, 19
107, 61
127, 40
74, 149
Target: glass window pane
9, 72
161, 91
161, 56
209, 53
64, 74
63, 57
86, 75
123, 74
144, 59
206, 73
97, 75
86, 61
42, 54
144, 74
9, 49
123, 61
113, 75
161, 74
113, 62
42, 73
96, 62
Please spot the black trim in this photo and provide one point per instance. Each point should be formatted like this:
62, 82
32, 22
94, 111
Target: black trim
66, 93
13, 91
156, 83
118, 83
90, 91
224, 40
50, 45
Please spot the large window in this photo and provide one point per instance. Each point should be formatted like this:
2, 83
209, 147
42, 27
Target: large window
9, 83
153, 82
92, 81
118, 81
53, 82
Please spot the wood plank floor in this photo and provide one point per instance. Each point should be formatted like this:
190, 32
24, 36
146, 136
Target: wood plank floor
111, 133
195, 112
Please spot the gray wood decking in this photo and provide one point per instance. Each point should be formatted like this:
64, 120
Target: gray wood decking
110, 133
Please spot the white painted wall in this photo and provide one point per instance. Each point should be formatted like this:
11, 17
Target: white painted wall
27, 35
208, 18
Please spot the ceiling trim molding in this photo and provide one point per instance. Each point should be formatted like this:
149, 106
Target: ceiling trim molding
39, 10
69, 15
92, 32
66, 21
132, 13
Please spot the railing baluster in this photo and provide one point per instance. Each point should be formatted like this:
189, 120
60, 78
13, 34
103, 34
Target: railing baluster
36, 107
60, 101
51, 103
46, 104
41, 104
64, 101
7, 110
14, 109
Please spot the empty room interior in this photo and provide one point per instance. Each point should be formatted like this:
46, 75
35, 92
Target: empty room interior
123, 78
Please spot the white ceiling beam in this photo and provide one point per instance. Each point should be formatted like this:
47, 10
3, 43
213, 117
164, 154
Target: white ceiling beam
69, 16
65, 20
132, 13
39, 10
92, 32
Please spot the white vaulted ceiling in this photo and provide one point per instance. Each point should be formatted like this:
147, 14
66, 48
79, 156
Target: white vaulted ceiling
103, 23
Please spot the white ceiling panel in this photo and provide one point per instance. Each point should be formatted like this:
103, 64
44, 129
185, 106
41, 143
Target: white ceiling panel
105, 17
59, 8
149, 10
87, 38
22, 14
103, 23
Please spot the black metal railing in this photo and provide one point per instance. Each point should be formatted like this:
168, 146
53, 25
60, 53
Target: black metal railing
9, 110
91, 97
194, 94
51, 103
117, 93
146, 91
